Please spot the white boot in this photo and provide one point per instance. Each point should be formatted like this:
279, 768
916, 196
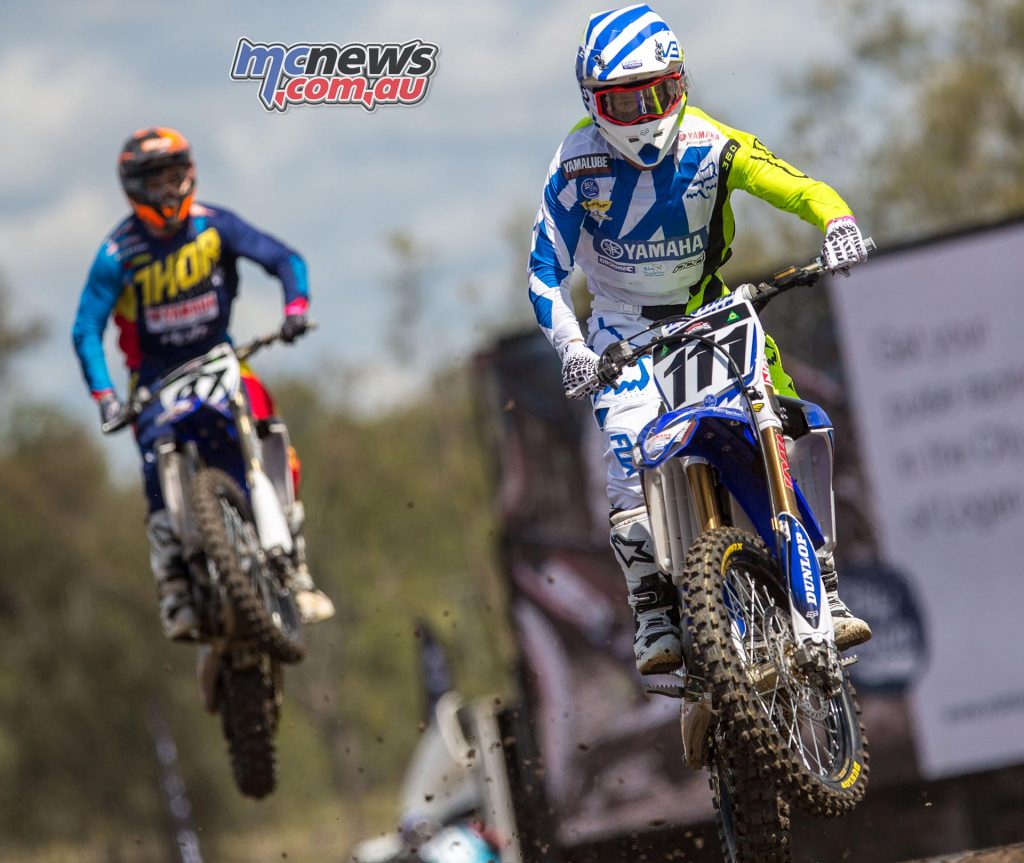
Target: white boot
314, 605
850, 630
656, 643
177, 614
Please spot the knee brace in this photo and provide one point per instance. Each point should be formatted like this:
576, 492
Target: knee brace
631, 541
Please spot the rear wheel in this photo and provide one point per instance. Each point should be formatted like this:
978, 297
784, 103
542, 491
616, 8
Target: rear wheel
264, 609
796, 729
249, 707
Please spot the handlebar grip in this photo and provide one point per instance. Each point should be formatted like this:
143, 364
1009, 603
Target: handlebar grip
117, 424
578, 390
140, 400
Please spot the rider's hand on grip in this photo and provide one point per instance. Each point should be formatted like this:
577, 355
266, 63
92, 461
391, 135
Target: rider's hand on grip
615, 358
293, 327
579, 371
110, 411
844, 245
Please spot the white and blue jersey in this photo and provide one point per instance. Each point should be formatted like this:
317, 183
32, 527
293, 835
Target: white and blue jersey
654, 236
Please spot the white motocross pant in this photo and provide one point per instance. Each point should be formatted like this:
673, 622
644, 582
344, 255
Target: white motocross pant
622, 412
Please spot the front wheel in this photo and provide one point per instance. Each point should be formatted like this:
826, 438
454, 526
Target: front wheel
266, 611
807, 740
753, 821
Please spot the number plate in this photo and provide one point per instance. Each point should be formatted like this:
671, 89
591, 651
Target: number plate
214, 380
690, 372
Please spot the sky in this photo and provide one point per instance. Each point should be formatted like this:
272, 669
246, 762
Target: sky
453, 171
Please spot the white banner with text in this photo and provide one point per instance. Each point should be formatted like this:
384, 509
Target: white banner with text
933, 344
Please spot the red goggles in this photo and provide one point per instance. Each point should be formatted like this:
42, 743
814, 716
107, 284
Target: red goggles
649, 100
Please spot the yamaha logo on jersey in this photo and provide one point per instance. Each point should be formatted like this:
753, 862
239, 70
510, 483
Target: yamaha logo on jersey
611, 249
651, 251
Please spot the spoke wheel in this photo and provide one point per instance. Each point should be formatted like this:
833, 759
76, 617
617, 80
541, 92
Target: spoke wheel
799, 730
264, 610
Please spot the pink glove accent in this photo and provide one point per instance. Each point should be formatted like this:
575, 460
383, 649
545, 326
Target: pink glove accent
298, 306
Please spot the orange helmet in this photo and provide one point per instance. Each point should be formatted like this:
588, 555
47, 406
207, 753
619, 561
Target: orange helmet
158, 176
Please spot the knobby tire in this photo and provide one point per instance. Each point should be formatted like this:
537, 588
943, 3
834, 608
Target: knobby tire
748, 728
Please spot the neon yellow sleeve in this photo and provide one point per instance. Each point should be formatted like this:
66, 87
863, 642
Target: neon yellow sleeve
757, 170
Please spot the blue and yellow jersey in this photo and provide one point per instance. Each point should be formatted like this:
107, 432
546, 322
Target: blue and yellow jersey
171, 296
656, 236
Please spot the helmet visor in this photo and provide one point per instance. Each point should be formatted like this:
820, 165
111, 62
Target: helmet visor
174, 181
649, 100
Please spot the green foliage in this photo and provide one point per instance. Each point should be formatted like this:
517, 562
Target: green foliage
945, 98
399, 530
14, 338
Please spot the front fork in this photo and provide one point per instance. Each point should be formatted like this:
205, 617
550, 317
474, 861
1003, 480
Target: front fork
809, 610
271, 524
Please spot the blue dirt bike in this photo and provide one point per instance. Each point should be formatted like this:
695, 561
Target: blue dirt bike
738, 486
227, 487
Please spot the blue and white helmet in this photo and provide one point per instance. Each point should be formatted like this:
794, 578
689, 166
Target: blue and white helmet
629, 67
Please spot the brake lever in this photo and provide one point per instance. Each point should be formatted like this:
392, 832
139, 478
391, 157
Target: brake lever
613, 360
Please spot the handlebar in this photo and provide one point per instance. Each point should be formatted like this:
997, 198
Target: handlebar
244, 351
143, 397
794, 277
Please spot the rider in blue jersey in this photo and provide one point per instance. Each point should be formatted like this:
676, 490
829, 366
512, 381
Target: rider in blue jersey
637, 196
168, 274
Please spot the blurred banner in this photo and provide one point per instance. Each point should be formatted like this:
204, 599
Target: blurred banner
931, 337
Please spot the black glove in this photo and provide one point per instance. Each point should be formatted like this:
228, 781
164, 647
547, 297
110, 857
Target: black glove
110, 408
293, 327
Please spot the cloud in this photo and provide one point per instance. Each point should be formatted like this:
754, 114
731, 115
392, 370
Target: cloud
331, 181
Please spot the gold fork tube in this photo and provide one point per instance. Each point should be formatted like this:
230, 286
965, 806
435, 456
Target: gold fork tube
779, 478
780, 481
698, 475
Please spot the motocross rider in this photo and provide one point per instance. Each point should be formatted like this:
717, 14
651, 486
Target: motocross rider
168, 273
638, 196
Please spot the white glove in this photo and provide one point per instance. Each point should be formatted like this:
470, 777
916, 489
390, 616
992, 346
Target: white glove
844, 245
579, 371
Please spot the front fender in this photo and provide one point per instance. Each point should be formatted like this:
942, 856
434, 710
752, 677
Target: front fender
724, 438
